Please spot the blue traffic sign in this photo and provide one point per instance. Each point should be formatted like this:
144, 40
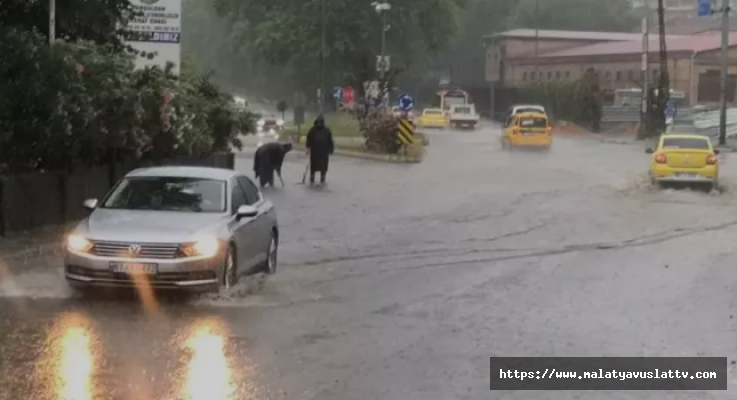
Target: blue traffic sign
406, 102
338, 92
704, 8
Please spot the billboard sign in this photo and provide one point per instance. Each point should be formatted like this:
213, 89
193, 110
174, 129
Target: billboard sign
155, 31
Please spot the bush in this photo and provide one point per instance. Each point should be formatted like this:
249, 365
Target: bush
79, 103
380, 130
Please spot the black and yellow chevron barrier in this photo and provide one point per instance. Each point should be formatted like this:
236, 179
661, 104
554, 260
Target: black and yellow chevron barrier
406, 131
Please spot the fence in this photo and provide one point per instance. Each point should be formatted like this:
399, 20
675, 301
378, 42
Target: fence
40, 199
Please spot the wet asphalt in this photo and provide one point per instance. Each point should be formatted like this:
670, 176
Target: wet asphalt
398, 282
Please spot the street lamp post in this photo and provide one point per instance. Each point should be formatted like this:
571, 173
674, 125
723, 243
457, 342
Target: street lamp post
52, 21
321, 95
537, 39
382, 8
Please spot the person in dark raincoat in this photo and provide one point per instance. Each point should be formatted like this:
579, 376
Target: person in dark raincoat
269, 158
320, 146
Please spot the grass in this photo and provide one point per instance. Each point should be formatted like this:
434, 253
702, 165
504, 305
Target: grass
341, 124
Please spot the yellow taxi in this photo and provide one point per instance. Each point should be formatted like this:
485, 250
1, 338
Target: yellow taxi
432, 118
527, 129
681, 158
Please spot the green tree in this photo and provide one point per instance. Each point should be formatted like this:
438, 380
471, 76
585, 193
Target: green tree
584, 15
288, 33
75, 19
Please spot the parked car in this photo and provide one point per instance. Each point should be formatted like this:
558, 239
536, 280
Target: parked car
192, 228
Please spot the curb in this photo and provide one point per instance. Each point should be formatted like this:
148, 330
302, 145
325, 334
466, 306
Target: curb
391, 158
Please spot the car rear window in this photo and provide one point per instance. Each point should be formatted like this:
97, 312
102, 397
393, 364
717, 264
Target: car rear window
686, 143
533, 123
462, 110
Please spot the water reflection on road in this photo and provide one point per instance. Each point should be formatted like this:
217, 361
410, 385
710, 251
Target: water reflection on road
82, 359
70, 359
208, 373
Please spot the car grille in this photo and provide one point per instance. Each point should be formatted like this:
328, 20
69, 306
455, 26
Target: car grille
147, 250
161, 277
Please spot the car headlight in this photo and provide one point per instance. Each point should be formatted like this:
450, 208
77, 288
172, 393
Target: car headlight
261, 123
207, 247
78, 243
280, 122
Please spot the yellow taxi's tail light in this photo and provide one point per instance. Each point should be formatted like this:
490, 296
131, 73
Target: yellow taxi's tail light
207, 247
711, 160
78, 243
661, 159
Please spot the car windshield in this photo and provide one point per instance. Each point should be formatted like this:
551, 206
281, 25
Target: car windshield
686, 143
533, 123
168, 194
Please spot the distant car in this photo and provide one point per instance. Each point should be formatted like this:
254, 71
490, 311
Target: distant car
269, 123
522, 108
463, 116
397, 112
432, 118
682, 158
528, 129
191, 228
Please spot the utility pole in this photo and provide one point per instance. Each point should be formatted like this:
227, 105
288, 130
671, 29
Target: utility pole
645, 72
52, 21
382, 8
724, 73
537, 39
321, 91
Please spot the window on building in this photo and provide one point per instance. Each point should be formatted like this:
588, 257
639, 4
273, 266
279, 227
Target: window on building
631, 75
568, 74
540, 76
550, 75
524, 76
618, 76
656, 73
557, 74
608, 75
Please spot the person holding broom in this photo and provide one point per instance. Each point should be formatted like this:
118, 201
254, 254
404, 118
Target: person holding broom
320, 146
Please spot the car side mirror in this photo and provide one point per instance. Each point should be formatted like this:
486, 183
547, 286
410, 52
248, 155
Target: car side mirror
716, 151
90, 204
246, 212
649, 151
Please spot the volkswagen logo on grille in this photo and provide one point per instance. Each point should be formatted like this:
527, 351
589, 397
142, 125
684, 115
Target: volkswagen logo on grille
134, 249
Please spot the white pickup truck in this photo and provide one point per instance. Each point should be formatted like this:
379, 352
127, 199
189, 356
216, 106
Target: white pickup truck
463, 116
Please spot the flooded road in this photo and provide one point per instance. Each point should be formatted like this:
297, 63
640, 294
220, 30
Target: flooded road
400, 281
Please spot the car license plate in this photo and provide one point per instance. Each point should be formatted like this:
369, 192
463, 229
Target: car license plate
681, 175
134, 268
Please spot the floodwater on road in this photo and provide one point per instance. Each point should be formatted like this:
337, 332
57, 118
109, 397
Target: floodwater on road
400, 281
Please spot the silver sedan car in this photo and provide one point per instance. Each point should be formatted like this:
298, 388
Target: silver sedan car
190, 228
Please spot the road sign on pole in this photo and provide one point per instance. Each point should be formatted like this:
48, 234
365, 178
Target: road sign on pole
383, 63
338, 93
406, 102
704, 8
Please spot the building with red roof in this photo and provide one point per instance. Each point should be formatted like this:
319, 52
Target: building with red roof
513, 58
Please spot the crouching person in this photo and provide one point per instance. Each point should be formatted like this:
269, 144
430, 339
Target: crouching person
269, 159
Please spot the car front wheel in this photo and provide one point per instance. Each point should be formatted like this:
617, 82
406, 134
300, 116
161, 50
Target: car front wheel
230, 270
272, 253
